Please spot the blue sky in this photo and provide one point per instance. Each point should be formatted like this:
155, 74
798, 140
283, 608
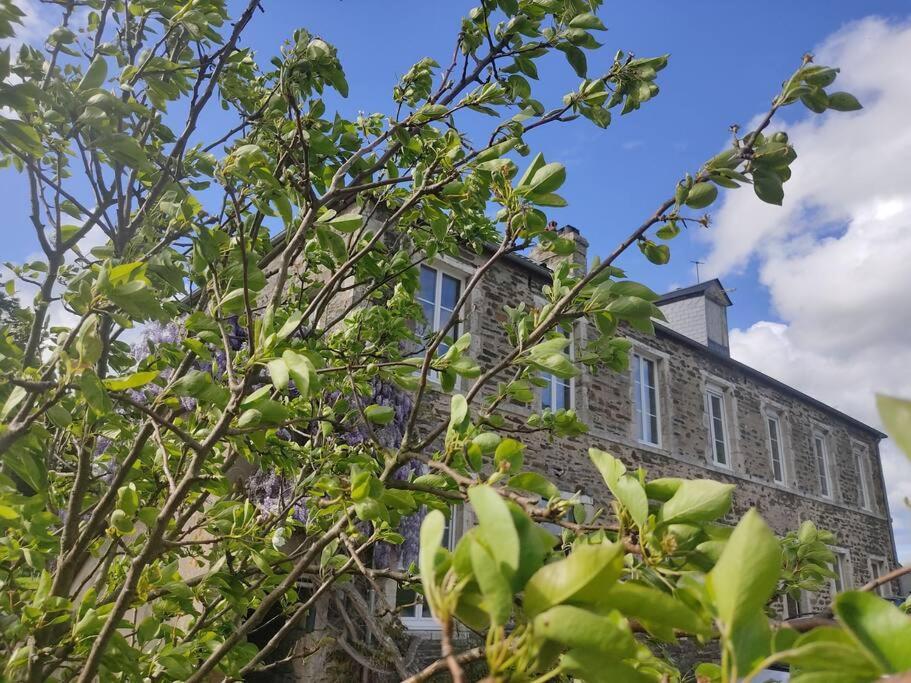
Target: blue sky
725, 66
813, 283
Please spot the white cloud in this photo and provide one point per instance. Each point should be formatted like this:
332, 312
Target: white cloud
835, 257
57, 315
38, 21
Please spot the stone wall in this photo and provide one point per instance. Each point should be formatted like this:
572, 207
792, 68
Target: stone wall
604, 400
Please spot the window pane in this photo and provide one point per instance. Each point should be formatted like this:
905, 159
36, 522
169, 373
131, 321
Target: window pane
717, 425
637, 395
449, 295
428, 290
862, 497
645, 395
556, 394
564, 394
838, 568
775, 446
822, 465
547, 391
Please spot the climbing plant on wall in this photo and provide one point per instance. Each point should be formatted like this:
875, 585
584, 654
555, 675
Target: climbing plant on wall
223, 407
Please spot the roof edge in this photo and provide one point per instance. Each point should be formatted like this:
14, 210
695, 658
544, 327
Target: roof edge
692, 291
768, 379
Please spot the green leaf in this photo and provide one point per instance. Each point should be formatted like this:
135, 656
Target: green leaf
536, 164
587, 20
126, 150
431, 541
626, 489
746, 575
575, 627
697, 500
381, 415
134, 381
301, 370
833, 651
652, 605
583, 577
558, 364
128, 499
633, 289
663, 489
535, 483
16, 396
659, 254
509, 451
843, 101
750, 639
493, 583
820, 76
767, 186
815, 100
547, 199
458, 416
486, 441
547, 179
347, 223
291, 324
576, 59
496, 527
896, 417
701, 195
94, 392
59, 415
278, 372
21, 136
880, 627
592, 667
95, 75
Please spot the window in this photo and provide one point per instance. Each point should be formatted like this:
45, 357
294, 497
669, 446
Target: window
842, 579
775, 448
878, 568
558, 393
863, 491
645, 398
793, 607
438, 295
414, 613
822, 464
717, 427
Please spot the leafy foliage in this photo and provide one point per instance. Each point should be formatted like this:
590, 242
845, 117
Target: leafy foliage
288, 413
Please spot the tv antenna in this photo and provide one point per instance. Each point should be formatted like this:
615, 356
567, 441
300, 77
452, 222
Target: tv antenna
697, 264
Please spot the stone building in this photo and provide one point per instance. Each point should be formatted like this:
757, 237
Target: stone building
684, 409
687, 409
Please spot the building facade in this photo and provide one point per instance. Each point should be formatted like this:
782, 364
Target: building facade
687, 409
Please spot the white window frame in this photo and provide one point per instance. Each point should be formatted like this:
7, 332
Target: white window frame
842, 567
442, 270
769, 419
885, 590
713, 390
457, 271
861, 455
803, 605
824, 473
639, 424
427, 622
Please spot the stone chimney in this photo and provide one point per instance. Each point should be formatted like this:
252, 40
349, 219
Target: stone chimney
549, 259
700, 313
